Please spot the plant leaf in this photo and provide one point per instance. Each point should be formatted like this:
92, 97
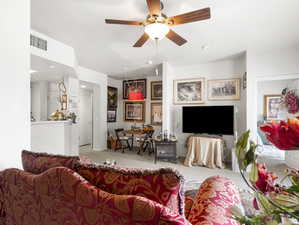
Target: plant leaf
273, 222
250, 156
253, 176
293, 189
241, 147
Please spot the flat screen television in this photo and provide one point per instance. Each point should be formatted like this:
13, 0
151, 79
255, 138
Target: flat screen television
217, 120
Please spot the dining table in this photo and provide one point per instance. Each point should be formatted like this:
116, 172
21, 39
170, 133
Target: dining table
137, 132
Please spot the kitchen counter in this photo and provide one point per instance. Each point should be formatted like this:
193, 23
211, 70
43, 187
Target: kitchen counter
54, 137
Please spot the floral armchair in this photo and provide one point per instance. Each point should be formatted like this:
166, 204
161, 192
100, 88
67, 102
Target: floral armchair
89, 195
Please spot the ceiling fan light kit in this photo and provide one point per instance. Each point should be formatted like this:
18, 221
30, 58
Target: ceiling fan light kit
157, 25
157, 30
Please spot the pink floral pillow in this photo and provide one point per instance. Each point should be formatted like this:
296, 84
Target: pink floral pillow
37, 163
163, 186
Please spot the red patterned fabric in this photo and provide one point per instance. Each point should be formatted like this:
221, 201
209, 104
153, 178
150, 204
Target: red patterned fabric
188, 205
39, 162
60, 196
213, 203
164, 186
2, 211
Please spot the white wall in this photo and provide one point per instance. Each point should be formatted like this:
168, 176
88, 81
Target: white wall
85, 113
39, 100
15, 83
279, 64
216, 70
57, 51
99, 105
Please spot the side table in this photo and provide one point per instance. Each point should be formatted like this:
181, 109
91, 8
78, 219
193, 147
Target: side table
165, 150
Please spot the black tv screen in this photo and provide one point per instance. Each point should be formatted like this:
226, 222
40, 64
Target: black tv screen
208, 120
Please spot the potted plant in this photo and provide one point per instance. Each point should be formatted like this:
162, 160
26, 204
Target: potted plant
275, 203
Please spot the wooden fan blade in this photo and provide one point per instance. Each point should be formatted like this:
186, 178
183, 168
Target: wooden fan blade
154, 7
123, 22
198, 15
141, 40
173, 36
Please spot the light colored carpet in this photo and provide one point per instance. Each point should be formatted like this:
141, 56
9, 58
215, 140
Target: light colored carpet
191, 174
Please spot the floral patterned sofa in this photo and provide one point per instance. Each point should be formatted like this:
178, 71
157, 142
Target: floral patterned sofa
55, 190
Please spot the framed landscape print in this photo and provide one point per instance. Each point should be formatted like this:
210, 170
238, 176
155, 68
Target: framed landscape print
156, 90
112, 97
134, 111
189, 91
221, 90
156, 113
111, 116
134, 84
272, 107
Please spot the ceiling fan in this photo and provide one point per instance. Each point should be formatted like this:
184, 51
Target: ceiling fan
157, 25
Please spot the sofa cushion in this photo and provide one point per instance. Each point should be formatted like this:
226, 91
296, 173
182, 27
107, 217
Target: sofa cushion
164, 186
37, 163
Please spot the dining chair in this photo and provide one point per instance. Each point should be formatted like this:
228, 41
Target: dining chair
146, 141
123, 140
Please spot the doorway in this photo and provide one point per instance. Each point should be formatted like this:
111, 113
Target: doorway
86, 117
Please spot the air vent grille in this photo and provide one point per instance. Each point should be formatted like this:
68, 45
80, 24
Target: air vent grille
38, 42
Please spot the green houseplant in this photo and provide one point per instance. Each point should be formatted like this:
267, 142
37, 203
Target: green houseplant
275, 203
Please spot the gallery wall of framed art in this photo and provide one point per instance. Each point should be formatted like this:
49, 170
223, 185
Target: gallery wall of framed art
112, 103
139, 84
156, 113
156, 90
134, 111
224, 89
189, 91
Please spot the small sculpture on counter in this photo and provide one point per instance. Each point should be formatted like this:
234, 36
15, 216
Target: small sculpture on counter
72, 116
58, 115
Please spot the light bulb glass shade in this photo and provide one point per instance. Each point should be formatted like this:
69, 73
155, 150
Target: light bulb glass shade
157, 30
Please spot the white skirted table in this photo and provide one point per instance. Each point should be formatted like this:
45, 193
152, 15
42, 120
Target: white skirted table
205, 151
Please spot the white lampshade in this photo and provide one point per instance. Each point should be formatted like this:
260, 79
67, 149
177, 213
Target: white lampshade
157, 30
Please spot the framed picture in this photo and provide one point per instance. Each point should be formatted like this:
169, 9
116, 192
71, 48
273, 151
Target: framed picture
112, 97
156, 113
134, 111
111, 116
134, 84
272, 107
156, 90
222, 90
189, 91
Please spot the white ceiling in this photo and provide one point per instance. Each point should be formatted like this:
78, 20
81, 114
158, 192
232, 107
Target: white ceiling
236, 26
47, 70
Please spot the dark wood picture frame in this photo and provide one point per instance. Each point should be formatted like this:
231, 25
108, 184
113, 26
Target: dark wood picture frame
111, 119
139, 83
138, 119
153, 122
154, 95
112, 95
